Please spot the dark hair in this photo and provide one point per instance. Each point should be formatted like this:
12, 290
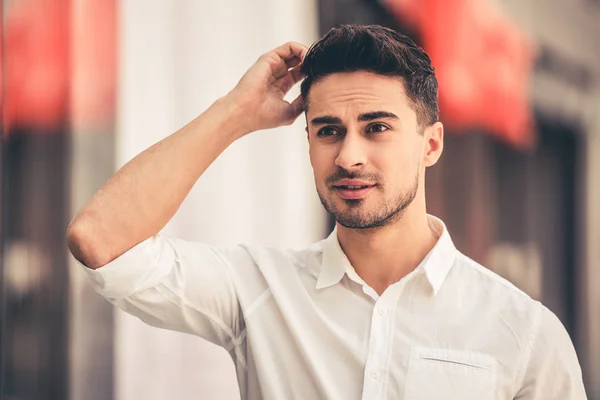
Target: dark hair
379, 50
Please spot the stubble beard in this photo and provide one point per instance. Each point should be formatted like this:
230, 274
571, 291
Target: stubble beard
354, 216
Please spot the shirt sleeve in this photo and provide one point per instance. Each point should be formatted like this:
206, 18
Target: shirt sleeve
177, 285
552, 371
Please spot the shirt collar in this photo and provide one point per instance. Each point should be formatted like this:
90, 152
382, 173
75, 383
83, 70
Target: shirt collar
437, 264
334, 262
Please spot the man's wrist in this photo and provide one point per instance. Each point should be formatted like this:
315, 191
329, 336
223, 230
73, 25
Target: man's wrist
237, 114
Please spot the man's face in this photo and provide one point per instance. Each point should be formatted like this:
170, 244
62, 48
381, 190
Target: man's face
365, 147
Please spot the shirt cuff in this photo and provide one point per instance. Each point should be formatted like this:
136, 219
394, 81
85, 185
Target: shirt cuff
143, 266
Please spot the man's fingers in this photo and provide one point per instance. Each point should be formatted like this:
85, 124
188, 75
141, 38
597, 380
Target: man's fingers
290, 50
297, 107
281, 59
293, 62
291, 78
297, 74
282, 69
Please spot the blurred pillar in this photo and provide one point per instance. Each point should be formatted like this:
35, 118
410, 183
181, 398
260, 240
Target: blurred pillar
588, 300
176, 58
2, 172
34, 197
93, 66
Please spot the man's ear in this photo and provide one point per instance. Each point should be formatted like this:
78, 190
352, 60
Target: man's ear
434, 146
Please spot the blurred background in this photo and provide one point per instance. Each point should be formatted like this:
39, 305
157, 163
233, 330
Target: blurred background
88, 84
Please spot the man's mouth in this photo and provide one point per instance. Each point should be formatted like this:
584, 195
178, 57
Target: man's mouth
353, 192
353, 187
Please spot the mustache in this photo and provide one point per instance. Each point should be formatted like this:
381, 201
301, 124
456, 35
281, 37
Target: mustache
342, 173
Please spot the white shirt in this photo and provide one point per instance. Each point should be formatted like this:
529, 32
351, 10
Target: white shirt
304, 325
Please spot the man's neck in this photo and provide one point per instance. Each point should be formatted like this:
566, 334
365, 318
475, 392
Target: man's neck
382, 256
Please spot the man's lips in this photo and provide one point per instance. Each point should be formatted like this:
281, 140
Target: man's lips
352, 182
353, 189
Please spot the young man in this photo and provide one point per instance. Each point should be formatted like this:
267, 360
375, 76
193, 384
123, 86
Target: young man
386, 307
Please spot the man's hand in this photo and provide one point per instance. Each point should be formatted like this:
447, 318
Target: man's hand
261, 90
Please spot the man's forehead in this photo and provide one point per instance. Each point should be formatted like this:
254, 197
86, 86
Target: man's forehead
356, 92
355, 81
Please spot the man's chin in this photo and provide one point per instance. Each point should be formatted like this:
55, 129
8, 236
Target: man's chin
359, 220
348, 220
356, 224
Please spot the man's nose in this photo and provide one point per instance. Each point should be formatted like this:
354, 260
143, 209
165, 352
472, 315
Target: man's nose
352, 153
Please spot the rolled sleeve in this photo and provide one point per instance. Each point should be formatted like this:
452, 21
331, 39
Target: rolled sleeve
143, 266
175, 284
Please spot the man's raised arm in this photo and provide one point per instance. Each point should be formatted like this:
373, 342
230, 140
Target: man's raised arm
139, 200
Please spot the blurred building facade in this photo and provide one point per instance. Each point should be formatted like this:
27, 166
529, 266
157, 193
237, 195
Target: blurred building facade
521, 196
519, 189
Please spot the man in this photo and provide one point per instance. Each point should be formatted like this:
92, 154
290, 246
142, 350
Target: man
386, 307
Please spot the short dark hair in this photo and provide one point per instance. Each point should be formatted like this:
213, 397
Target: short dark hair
379, 50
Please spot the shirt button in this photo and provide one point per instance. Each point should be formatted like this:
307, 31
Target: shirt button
375, 374
383, 311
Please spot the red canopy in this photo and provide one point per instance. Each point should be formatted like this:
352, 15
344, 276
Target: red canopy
57, 67
483, 64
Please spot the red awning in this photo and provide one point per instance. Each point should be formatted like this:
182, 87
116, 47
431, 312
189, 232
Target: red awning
483, 63
56, 67
36, 65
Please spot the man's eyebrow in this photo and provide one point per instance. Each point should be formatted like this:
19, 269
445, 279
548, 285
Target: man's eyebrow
370, 116
326, 119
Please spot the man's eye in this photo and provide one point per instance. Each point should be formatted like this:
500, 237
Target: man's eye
327, 131
377, 128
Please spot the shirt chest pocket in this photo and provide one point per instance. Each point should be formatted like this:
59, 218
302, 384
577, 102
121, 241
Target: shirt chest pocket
446, 374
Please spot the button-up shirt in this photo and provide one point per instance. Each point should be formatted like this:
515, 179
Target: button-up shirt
301, 324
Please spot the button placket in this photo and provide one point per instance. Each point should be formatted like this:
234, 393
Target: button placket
380, 343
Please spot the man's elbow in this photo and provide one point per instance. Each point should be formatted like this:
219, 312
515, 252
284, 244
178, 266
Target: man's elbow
81, 244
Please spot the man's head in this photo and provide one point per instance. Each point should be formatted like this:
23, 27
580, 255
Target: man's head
370, 98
